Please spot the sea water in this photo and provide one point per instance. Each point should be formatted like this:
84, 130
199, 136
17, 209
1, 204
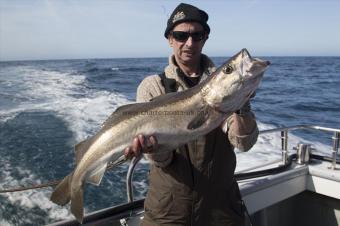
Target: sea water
46, 107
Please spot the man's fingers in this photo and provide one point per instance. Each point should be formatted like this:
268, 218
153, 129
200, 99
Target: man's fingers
128, 153
141, 144
141, 140
145, 144
154, 142
149, 144
136, 146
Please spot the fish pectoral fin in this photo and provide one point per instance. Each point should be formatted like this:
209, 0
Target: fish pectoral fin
81, 148
199, 120
77, 204
96, 175
119, 161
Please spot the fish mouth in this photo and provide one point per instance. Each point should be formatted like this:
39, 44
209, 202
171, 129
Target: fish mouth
262, 63
257, 68
252, 67
247, 57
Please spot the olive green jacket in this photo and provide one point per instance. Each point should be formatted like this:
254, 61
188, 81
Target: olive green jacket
194, 184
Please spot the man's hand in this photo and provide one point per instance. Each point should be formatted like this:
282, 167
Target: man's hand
141, 144
243, 125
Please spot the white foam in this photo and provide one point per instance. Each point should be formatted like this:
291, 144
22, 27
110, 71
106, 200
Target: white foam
4, 223
30, 198
83, 109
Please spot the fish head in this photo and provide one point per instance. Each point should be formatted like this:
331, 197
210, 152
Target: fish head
235, 82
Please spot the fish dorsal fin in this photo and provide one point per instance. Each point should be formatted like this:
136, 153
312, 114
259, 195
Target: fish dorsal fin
81, 148
199, 120
96, 175
122, 110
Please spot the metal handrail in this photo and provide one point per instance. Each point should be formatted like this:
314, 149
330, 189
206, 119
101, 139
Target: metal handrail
284, 139
296, 127
284, 147
131, 169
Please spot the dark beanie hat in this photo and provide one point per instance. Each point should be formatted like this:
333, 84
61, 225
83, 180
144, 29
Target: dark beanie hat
187, 13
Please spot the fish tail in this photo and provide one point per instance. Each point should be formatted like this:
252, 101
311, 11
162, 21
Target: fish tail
62, 193
77, 204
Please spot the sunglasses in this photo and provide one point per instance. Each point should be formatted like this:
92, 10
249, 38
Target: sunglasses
182, 36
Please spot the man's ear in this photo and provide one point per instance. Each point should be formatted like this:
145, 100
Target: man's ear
171, 41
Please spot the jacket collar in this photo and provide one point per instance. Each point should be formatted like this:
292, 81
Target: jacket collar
173, 71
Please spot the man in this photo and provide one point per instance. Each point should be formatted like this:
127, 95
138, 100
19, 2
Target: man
193, 185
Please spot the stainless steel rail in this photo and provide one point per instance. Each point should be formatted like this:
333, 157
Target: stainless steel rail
129, 187
284, 147
284, 139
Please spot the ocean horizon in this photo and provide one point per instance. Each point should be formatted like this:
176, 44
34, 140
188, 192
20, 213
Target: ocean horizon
152, 57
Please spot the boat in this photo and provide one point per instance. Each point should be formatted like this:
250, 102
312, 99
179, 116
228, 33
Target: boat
301, 188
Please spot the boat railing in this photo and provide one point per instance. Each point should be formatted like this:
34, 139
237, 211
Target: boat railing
284, 139
284, 148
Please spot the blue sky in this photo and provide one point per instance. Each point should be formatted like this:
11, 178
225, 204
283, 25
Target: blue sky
70, 29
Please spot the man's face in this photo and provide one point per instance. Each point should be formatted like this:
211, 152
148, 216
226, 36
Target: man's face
188, 51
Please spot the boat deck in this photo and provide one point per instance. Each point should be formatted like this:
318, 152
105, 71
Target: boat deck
263, 192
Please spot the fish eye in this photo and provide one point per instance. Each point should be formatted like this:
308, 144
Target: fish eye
228, 69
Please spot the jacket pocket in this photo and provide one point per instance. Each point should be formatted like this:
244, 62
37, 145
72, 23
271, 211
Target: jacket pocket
158, 204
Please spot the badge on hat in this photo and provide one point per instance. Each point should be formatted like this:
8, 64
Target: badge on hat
178, 16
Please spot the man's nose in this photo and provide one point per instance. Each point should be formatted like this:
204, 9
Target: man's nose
189, 42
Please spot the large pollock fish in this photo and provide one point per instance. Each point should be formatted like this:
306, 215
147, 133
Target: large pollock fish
174, 119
